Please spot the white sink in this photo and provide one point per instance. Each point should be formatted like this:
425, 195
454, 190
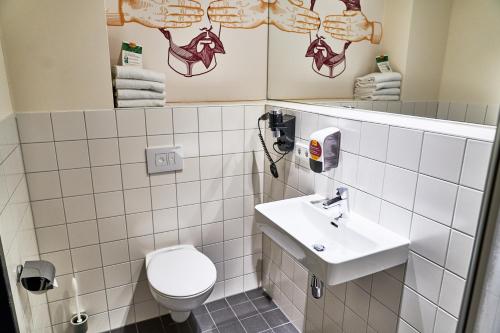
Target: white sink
357, 247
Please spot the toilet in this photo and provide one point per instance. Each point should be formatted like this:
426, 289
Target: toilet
180, 279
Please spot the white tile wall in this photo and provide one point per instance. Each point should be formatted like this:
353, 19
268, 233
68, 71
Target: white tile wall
17, 227
425, 186
97, 212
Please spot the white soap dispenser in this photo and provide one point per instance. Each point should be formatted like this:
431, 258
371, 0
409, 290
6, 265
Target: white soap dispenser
324, 149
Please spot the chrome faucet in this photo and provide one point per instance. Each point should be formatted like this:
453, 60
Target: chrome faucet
341, 201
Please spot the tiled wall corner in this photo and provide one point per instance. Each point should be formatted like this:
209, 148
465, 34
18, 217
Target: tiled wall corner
97, 212
17, 231
425, 186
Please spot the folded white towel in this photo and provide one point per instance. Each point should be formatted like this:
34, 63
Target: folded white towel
370, 92
135, 73
380, 98
379, 77
138, 84
378, 86
134, 103
138, 94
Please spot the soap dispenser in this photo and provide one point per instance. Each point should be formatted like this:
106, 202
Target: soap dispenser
324, 149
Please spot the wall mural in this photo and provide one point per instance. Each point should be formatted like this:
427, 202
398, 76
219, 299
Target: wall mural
199, 55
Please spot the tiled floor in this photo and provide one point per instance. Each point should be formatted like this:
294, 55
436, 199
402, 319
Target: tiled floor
250, 312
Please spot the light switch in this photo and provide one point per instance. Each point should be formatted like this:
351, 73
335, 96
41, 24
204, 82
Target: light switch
164, 159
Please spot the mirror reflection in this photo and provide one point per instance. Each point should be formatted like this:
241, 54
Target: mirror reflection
436, 59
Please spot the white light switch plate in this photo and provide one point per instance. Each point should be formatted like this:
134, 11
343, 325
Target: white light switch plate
164, 158
301, 150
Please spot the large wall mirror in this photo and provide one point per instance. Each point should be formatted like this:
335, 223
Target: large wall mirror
447, 52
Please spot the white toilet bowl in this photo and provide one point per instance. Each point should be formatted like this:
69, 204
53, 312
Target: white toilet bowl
180, 278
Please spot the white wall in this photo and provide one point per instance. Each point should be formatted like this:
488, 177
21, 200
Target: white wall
97, 212
409, 175
56, 54
5, 103
472, 68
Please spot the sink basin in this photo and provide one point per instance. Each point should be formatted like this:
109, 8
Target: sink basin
352, 245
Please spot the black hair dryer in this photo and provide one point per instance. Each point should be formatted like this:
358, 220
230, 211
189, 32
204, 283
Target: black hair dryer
282, 127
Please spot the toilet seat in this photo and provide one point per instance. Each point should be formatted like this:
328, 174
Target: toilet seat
180, 272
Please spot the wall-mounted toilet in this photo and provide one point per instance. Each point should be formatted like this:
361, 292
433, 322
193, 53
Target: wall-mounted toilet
180, 278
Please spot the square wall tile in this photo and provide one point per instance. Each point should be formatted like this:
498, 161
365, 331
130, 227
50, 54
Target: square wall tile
387, 290
165, 220
72, 154
140, 246
164, 196
210, 143
404, 147
131, 122
104, 152
39, 157
442, 156
395, 218
452, 291
211, 167
137, 200
159, 121
373, 142
107, 178
424, 276
112, 228
117, 275
417, 311
210, 118
308, 124
133, 149
85, 258
370, 176
233, 141
188, 193
190, 236
350, 131
189, 143
233, 117
52, 239
34, 127
435, 199
44, 185
109, 204
114, 252
429, 239
79, 208
61, 260
48, 212
83, 233
68, 125
212, 211
139, 224
491, 117
101, 124
476, 162
459, 253
76, 182
212, 233
445, 322
190, 170
467, 210
134, 175
252, 113
185, 120
399, 186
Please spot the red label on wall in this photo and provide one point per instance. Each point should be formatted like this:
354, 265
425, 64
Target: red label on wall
315, 150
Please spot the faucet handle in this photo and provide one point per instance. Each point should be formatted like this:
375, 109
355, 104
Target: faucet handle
343, 192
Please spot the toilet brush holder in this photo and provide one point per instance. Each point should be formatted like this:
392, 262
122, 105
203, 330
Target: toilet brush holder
79, 326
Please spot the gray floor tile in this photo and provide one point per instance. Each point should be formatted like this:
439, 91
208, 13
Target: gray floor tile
223, 316
201, 322
256, 293
244, 310
275, 318
125, 329
200, 310
287, 328
232, 327
237, 299
217, 305
150, 326
264, 304
255, 324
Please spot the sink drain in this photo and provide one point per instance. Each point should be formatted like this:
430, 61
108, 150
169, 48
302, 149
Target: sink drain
319, 247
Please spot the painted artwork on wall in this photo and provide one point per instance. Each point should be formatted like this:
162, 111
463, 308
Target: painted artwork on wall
228, 39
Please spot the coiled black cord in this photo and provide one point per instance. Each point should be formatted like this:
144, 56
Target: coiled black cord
272, 164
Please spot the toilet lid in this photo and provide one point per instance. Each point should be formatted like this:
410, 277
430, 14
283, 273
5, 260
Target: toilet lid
181, 272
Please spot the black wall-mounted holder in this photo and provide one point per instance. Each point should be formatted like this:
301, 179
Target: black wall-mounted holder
283, 129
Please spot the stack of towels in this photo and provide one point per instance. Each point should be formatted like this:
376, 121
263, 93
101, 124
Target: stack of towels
378, 87
135, 87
